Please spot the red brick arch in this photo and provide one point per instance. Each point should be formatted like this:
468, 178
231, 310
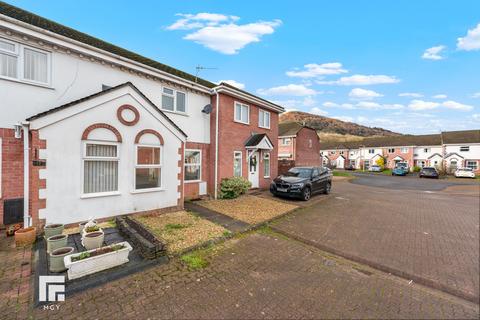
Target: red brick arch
104, 126
151, 131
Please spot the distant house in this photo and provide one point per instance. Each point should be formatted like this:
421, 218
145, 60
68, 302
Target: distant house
298, 144
447, 150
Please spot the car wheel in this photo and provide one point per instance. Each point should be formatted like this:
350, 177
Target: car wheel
306, 194
328, 188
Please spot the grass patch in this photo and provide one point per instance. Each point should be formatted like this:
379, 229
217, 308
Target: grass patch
194, 260
174, 226
341, 174
387, 172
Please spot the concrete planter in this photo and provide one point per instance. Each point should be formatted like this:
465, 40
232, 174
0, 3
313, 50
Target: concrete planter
56, 242
84, 232
56, 263
53, 230
81, 268
93, 240
81, 226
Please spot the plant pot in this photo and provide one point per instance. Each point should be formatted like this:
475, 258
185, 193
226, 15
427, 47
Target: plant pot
56, 263
56, 242
81, 268
84, 232
25, 236
93, 240
81, 225
53, 230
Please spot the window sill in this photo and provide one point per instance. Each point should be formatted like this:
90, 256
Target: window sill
176, 112
147, 190
35, 84
192, 181
241, 122
267, 128
98, 195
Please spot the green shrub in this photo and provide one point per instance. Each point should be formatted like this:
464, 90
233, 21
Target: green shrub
231, 188
416, 169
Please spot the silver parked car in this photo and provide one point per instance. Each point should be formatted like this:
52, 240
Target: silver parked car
375, 168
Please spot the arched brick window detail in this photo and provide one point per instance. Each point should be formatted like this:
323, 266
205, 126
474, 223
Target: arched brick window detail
104, 126
131, 108
151, 131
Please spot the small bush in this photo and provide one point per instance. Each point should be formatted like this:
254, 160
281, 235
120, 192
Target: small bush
416, 169
194, 260
231, 188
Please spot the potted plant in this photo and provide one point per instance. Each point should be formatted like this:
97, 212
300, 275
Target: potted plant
81, 225
56, 263
91, 261
89, 229
53, 229
93, 240
25, 236
55, 242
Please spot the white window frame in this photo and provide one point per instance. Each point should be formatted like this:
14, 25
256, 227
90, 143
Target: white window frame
285, 143
241, 113
192, 165
465, 148
404, 150
112, 159
473, 161
260, 111
391, 150
174, 96
426, 150
19, 53
265, 156
235, 153
371, 151
147, 166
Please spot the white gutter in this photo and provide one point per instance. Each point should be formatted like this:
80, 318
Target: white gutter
248, 97
217, 104
27, 219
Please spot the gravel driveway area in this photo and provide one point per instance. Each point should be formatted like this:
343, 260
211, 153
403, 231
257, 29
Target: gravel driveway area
429, 236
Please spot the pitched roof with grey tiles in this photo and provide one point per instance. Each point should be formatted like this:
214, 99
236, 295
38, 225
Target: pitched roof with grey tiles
465, 136
291, 128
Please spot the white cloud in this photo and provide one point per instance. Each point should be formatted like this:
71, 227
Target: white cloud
418, 105
313, 70
410, 94
234, 83
471, 41
362, 94
457, 106
393, 106
318, 111
344, 118
199, 20
434, 53
222, 33
366, 105
476, 116
309, 102
423, 105
361, 80
329, 104
476, 95
440, 96
288, 90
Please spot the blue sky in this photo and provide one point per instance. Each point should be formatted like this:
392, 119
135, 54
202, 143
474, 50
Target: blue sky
407, 66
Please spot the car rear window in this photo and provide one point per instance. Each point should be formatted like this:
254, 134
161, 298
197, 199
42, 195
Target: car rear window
299, 172
428, 169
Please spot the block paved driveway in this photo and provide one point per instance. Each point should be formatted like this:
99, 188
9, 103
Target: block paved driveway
262, 276
428, 236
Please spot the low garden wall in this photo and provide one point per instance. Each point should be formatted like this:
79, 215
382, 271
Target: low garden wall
150, 247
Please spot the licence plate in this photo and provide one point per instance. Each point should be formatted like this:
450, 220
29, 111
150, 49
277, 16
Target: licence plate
281, 189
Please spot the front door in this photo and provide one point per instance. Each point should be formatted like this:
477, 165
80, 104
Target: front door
253, 170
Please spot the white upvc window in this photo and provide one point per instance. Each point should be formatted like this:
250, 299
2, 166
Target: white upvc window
266, 165
465, 148
371, 151
404, 150
24, 63
174, 100
237, 164
193, 165
472, 164
148, 167
391, 150
286, 141
242, 113
426, 150
264, 119
100, 168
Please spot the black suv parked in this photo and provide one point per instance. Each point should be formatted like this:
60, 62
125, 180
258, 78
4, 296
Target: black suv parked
302, 182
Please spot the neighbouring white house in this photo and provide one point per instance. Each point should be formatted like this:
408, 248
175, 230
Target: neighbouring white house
89, 129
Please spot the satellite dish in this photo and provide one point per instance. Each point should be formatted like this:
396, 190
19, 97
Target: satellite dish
207, 109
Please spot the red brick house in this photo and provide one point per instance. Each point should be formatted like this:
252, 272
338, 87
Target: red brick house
298, 145
89, 129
